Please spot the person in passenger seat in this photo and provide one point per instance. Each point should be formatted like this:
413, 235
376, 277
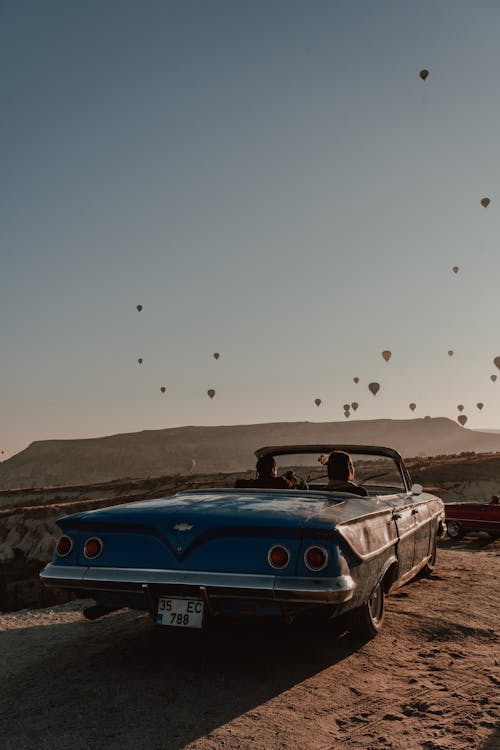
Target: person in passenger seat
341, 474
267, 476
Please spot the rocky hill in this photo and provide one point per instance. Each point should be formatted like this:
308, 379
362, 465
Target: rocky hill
181, 450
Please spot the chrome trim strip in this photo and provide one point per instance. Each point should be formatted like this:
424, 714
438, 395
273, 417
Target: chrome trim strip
368, 555
320, 590
184, 577
339, 589
62, 573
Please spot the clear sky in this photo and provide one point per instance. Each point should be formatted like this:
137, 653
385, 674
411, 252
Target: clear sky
271, 180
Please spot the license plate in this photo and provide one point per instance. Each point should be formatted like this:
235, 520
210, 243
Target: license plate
180, 612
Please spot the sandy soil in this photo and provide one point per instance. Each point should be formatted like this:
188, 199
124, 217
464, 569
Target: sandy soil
430, 680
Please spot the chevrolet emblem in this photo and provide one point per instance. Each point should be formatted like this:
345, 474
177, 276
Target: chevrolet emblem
182, 527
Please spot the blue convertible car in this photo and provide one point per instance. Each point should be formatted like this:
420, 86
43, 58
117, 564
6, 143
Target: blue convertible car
255, 552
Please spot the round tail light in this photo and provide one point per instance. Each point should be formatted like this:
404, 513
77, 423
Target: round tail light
64, 546
278, 557
92, 548
316, 558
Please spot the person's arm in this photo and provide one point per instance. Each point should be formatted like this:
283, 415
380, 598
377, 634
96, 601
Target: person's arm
288, 481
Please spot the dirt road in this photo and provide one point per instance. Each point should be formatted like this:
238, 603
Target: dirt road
429, 681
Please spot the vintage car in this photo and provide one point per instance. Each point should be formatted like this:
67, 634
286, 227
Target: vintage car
256, 552
464, 517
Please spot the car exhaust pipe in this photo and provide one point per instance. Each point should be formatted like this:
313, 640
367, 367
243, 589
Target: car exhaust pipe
93, 613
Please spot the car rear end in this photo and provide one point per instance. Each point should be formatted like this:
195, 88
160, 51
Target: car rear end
184, 564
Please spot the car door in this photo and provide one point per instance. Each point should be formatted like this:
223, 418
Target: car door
421, 515
404, 519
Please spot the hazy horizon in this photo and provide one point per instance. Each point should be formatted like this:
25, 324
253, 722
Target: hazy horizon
271, 181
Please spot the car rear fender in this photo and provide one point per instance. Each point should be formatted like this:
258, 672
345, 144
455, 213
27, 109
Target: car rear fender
388, 574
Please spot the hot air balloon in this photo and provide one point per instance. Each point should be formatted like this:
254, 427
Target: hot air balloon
139, 359
493, 377
163, 389
460, 407
374, 388
480, 406
346, 407
354, 405
485, 202
356, 380
317, 401
456, 269
211, 392
347, 414
424, 74
412, 406
496, 362
386, 355
462, 419
451, 353
139, 307
216, 355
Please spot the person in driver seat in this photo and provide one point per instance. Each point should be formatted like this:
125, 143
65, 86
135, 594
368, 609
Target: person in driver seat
267, 476
341, 474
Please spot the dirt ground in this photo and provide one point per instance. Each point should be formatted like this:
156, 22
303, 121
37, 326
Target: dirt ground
429, 681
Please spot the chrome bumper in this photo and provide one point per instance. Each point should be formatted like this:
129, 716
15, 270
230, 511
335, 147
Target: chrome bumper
231, 585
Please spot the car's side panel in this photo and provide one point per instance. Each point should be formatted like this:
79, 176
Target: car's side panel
369, 536
406, 532
386, 532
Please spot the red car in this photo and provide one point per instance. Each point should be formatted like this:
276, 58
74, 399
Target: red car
462, 517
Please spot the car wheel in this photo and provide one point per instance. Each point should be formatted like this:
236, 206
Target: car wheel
454, 529
431, 562
366, 621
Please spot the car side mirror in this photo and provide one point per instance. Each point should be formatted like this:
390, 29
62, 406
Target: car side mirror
416, 489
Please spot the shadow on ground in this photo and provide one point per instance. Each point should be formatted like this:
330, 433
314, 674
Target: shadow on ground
122, 682
472, 542
493, 743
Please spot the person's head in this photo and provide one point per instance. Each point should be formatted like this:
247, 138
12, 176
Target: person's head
340, 466
494, 500
266, 467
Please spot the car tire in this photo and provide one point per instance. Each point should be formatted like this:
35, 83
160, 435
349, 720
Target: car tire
431, 562
454, 529
366, 621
